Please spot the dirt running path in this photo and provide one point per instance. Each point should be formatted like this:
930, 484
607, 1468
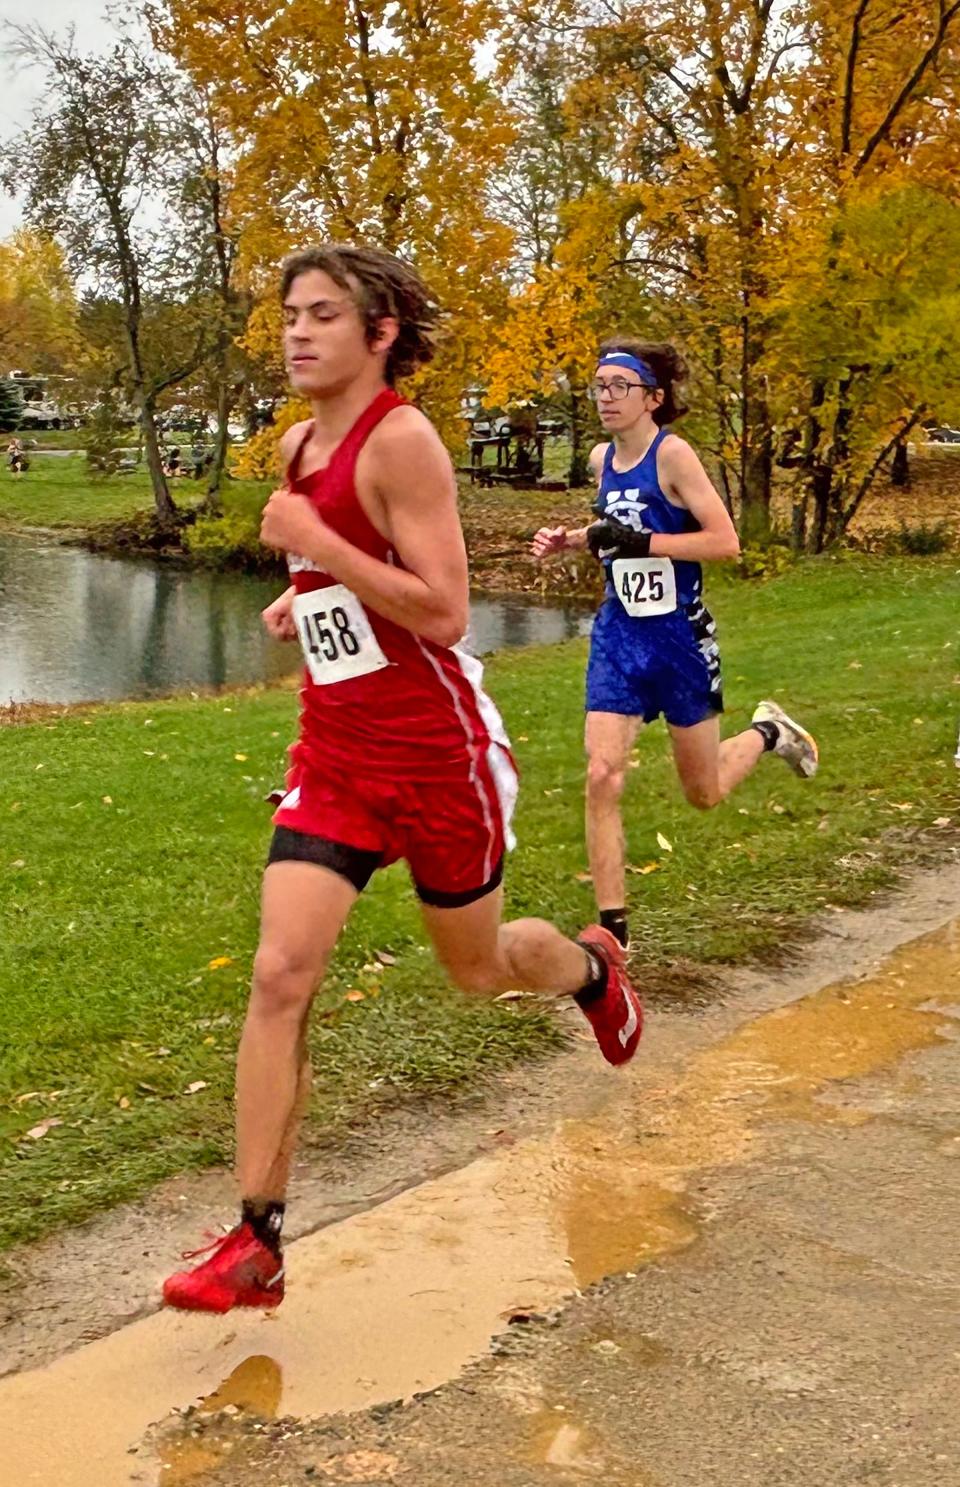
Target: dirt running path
401, 1298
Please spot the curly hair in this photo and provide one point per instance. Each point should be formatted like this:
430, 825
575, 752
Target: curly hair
668, 366
381, 285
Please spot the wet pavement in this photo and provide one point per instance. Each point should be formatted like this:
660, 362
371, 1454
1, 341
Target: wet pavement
765, 1208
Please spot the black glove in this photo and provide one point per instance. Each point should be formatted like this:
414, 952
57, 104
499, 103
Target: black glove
609, 538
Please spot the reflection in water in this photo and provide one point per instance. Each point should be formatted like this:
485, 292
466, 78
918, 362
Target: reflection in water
185, 1453
77, 626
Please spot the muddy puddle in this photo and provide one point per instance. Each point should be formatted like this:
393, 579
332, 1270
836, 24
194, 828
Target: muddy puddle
401, 1298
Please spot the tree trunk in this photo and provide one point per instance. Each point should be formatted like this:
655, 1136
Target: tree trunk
756, 440
578, 473
821, 487
756, 435
225, 395
146, 409
163, 501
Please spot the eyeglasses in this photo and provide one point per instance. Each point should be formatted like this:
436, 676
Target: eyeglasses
617, 389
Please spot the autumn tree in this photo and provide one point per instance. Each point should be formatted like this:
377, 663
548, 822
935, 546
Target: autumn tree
868, 351
121, 165
38, 306
887, 134
761, 129
200, 192
569, 193
363, 122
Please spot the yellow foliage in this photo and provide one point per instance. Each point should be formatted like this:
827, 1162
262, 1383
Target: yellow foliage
38, 307
259, 458
359, 124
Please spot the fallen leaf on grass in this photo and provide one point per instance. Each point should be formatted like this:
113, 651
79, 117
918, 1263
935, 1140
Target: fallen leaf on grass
36, 1133
355, 996
240, 758
648, 867
943, 821
19, 863
196, 1087
219, 961
385, 958
583, 877
662, 843
855, 666
124, 1103
903, 805
108, 800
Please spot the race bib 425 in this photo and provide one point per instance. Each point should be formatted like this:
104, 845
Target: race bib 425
645, 586
336, 635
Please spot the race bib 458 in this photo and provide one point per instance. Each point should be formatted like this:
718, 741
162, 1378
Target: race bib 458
336, 635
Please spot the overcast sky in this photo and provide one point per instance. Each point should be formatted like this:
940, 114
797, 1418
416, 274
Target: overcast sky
20, 87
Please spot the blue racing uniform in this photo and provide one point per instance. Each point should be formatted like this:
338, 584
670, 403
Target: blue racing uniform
653, 648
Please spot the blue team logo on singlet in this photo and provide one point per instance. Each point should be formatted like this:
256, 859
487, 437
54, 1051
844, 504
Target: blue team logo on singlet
626, 507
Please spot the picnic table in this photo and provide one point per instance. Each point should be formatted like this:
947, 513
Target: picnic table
518, 457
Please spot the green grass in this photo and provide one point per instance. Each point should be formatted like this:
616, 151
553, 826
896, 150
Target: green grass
71, 438
60, 492
113, 909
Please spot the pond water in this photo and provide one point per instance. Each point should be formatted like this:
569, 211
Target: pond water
78, 627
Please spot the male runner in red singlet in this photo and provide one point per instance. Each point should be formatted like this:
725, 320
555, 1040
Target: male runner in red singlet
400, 753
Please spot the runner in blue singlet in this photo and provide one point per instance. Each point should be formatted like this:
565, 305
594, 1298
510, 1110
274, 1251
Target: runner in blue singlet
653, 648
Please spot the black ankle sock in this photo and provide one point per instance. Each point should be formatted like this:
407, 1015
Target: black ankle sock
615, 920
596, 982
770, 734
265, 1219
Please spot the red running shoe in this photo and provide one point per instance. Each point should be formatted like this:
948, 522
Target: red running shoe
617, 1015
240, 1271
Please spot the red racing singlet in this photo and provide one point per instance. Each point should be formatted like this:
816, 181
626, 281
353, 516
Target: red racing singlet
376, 697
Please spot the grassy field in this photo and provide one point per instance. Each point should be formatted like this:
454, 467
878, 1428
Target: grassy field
132, 840
70, 438
58, 491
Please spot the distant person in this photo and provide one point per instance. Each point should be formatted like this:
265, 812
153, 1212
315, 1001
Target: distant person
173, 465
16, 459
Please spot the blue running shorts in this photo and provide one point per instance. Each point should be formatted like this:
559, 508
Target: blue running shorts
667, 664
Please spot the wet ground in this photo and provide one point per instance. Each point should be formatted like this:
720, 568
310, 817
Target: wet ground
736, 1263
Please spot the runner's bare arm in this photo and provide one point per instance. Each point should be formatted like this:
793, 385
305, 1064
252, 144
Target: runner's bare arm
686, 482
415, 481
278, 616
550, 540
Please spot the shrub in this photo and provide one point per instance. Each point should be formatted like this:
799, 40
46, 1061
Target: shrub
230, 541
924, 540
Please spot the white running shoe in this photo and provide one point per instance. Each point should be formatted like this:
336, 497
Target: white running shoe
795, 744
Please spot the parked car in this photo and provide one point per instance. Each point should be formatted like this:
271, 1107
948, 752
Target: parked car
42, 416
944, 435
